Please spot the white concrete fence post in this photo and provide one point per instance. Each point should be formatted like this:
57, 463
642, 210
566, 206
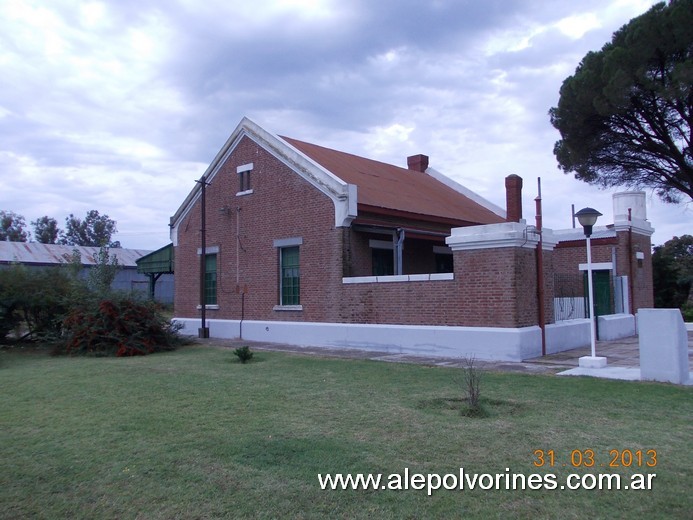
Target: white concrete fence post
663, 346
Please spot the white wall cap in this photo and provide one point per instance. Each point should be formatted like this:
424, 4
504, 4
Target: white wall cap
505, 234
639, 226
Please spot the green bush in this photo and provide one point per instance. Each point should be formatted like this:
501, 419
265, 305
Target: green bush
244, 354
35, 300
78, 315
117, 326
687, 312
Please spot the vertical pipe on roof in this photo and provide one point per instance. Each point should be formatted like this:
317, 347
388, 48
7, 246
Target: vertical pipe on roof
540, 269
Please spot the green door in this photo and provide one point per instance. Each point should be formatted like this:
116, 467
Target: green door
603, 301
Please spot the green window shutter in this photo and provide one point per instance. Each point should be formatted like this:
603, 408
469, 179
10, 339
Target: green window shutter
210, 279
290, 290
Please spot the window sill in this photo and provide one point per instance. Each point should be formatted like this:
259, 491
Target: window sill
209, 307
242, 193
288, 308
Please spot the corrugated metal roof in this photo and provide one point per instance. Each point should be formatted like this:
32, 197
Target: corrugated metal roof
159, 261
387, 186
50, 254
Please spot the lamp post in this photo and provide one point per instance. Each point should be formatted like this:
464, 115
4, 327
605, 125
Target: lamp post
587, 218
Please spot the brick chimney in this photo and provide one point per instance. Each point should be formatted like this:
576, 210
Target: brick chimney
417, 163
513, 198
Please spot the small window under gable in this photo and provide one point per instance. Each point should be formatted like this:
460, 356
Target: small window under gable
244, 175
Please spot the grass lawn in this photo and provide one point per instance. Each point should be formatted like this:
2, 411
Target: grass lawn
195, 434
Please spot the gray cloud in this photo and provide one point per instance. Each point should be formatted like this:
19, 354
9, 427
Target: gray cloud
121, 108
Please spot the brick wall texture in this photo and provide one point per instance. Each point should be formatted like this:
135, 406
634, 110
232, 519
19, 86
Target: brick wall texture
491, 287
569, 255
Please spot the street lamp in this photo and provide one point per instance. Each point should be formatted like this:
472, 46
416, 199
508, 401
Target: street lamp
587, 218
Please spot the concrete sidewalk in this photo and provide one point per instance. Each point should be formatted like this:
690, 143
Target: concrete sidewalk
623, 357
623, 360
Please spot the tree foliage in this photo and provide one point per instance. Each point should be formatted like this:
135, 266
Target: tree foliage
46, 230
625, 115
34, 300
102, 274
12, 227
95, 230
55, 305
672, 266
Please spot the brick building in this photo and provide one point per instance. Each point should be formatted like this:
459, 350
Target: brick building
621, 256
308, 245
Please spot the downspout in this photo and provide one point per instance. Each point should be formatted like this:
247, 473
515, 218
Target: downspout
540, 270
238, 244
631, 283
238, 275
398, 250
240, 325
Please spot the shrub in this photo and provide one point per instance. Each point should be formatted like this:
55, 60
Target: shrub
118, 325
34, 300
471, 381
244, 354
687, 313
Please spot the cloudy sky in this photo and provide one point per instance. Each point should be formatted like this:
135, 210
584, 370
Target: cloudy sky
120, 105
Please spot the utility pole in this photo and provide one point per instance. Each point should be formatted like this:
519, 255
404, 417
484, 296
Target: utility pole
540, 268
203, 331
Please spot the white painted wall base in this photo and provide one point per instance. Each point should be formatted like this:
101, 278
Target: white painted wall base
616, 326
485, 343
567, 335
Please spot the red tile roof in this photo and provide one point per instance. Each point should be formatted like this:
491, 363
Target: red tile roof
382, 185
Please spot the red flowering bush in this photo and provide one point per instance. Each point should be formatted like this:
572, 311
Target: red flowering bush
117, 326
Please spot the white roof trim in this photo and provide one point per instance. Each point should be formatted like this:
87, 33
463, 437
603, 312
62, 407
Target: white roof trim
453, 184
342, 194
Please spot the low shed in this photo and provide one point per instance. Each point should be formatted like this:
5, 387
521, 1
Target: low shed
155, 265
128, 278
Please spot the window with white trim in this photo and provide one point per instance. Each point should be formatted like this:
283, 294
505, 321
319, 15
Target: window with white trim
210, 279
290, 276
289, 273
210, 275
